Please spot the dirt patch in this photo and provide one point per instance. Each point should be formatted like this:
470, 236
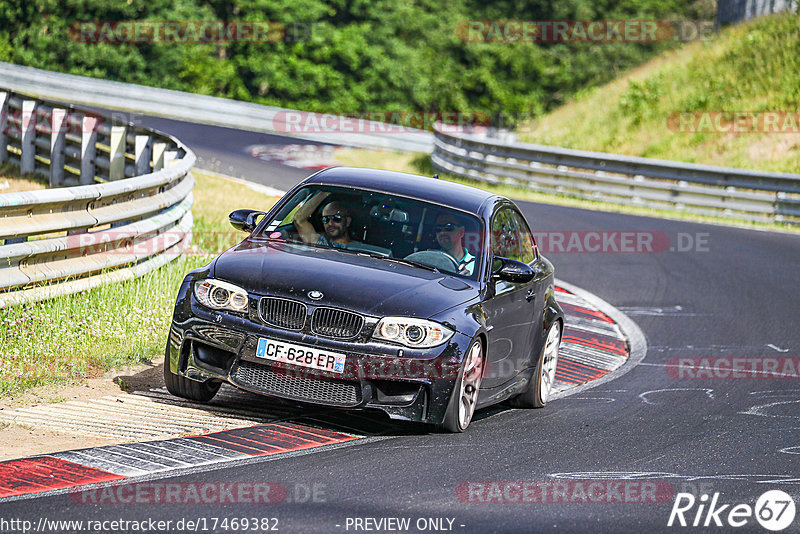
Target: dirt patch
17, 441
774, 147
16, 185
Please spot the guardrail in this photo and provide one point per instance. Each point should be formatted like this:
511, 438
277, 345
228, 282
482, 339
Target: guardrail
212, 110
731, 12
119, 203
701, 189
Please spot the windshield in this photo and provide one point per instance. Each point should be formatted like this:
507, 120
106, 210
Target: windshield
382, 225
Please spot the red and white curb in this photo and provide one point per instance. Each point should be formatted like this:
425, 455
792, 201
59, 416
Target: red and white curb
314, 157
592, 344
116, 462
597, 340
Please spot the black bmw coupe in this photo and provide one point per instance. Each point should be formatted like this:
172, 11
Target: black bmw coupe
370, 289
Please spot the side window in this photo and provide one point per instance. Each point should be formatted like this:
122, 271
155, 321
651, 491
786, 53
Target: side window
526, 242
505, 241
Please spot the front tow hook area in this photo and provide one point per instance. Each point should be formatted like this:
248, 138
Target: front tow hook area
366, 394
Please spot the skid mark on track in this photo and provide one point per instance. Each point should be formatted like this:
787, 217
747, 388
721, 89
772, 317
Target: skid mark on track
669, 311
767, 410
773, 347
644, 396
649, 475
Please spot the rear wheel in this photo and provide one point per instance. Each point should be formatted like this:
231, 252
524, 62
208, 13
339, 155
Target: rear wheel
188, 389
465, 395
540, 386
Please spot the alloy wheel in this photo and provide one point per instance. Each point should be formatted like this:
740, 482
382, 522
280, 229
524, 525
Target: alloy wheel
470, 384
549, 363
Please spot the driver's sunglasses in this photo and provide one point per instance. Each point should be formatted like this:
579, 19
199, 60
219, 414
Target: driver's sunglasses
449, 227
328, 218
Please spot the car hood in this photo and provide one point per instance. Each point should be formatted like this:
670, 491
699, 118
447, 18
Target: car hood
357, 282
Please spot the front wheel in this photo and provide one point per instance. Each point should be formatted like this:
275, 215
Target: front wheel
538, 391
465, 395
181, 386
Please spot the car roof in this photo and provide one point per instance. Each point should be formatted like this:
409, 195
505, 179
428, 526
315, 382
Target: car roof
441, 192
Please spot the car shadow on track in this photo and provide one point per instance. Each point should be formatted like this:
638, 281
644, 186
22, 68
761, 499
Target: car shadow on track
263, 410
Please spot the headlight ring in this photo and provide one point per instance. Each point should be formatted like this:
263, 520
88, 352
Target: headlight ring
220, 295
412, 332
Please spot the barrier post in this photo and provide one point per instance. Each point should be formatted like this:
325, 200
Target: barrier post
3, 126
58, 144
116, 169
88, 149
158, 155
28, 133
143, 154
169, 157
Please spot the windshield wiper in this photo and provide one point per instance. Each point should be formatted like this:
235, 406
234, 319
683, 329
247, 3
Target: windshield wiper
406, 262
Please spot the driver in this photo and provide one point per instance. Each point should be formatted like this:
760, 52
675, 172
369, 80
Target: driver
336, 221
450, 236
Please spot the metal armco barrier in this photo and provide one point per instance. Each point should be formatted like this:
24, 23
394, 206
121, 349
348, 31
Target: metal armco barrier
212, 110
733, 11
119, 204
742, 194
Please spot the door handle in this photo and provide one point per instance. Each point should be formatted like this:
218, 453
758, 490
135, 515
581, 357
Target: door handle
530, 296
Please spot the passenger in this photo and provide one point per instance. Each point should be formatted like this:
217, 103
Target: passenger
450, 236
336, 221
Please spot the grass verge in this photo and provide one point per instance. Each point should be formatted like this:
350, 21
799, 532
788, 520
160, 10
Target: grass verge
74, 337
669, 108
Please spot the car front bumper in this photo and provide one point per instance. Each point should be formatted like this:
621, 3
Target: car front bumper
407, 384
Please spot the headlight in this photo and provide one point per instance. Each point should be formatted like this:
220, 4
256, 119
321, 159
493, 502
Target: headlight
220, 295
412, 332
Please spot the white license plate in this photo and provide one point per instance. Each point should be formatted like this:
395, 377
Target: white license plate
280, 351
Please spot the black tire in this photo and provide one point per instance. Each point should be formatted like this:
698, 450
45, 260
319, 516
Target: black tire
456, 420
533, 396
188, 389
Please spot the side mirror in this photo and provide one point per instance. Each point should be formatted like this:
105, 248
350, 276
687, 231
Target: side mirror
512, 271
245, 220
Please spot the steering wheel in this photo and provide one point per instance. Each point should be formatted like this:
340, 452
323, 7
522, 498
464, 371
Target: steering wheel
435, 258
286, 232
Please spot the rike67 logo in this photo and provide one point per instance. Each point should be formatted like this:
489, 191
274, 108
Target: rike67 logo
774, 510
